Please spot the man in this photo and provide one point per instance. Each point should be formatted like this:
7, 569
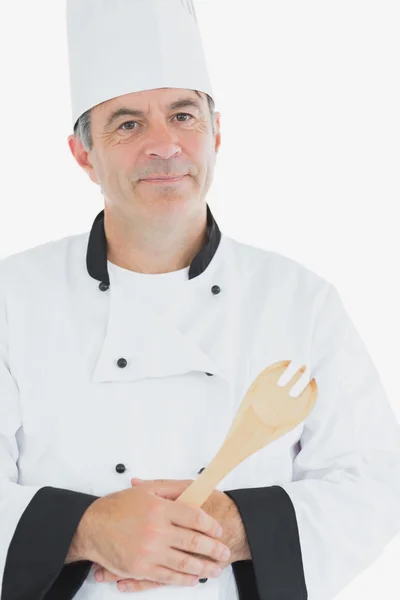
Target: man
125, 352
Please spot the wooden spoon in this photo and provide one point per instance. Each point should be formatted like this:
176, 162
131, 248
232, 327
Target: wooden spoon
265, 413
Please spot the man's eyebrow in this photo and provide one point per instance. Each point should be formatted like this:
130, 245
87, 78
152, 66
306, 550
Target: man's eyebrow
123, 111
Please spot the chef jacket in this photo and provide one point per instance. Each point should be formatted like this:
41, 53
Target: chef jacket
107, 374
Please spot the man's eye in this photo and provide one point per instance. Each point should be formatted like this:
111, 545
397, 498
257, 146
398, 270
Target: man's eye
127, 123
184, 115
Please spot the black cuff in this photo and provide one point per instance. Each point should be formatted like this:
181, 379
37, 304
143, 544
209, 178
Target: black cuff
276, 569
35, 566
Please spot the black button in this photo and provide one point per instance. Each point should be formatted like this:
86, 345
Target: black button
215, 289
210, 374
122, 362
103, 286
120, 468
202, 469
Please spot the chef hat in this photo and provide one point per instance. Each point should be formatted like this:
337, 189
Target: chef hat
117, 47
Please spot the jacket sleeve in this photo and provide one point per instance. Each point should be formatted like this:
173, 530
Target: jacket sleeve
310, 537
37, 523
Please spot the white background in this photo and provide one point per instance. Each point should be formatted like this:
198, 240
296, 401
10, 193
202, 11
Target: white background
309, 164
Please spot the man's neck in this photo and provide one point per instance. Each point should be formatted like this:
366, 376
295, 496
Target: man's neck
155, 246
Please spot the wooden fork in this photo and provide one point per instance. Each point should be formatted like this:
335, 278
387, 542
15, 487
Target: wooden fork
265, 413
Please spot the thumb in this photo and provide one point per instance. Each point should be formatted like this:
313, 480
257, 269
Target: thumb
136, 480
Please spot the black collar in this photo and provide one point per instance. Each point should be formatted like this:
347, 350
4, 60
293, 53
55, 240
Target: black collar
96, 257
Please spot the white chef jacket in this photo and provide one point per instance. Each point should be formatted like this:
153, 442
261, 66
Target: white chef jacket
107, 374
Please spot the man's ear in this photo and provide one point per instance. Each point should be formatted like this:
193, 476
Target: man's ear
82, 157
217, 131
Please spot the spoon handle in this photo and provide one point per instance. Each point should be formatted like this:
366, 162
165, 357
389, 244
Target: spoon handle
238, 446
202, 487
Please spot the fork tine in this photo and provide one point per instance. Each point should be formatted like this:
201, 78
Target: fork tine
295, 378
308, 396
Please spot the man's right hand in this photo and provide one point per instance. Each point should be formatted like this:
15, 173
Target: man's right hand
136, 533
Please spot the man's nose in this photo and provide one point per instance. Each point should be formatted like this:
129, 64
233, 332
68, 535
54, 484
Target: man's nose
162, 142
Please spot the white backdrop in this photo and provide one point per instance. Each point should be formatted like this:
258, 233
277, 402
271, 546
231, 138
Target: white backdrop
309, 97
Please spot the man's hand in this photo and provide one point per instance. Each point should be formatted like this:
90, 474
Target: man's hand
221, 508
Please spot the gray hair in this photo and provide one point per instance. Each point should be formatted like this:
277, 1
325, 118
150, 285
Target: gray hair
83, 130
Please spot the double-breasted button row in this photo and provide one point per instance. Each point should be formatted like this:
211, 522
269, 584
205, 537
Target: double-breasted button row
122, 363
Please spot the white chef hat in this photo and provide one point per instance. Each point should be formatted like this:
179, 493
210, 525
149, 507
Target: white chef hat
117, 47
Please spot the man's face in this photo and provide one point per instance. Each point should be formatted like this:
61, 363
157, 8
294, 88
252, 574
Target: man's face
158, 140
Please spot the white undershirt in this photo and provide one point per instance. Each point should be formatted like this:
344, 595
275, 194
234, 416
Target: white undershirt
159, 289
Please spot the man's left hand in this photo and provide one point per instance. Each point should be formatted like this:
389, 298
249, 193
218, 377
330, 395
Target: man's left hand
222, 508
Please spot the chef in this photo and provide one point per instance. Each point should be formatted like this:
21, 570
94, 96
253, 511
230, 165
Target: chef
126, 351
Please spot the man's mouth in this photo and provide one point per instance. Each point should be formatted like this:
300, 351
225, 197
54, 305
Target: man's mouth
164, 178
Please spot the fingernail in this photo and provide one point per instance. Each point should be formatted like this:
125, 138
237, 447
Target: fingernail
122, 587
99, 576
